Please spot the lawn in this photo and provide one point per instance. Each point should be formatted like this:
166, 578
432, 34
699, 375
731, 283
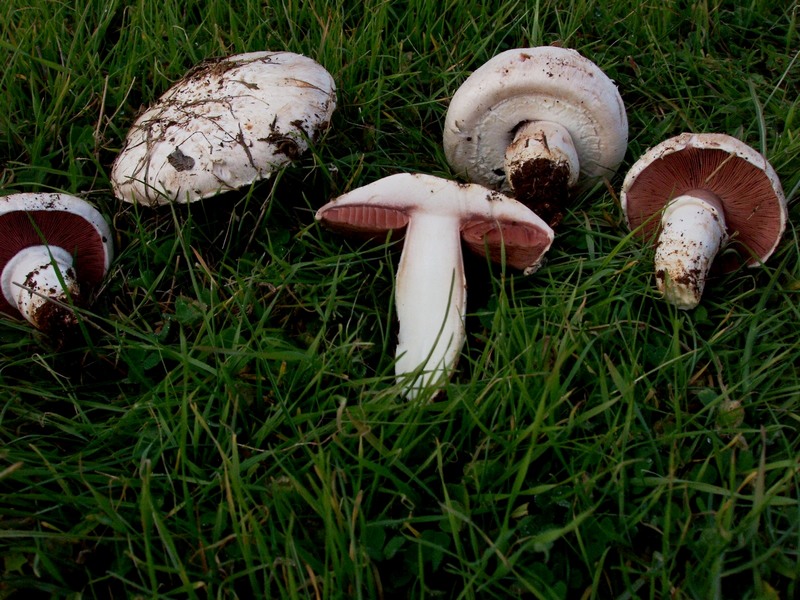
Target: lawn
227, 423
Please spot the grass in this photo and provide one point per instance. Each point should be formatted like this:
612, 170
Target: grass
228, 425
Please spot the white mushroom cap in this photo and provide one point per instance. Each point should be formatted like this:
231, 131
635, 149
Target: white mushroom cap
523, 85
37, 231
430, 291
227, 123
740, 177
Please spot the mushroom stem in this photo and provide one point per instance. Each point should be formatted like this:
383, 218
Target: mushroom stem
692, 232
33, 277
431, 301
542, 165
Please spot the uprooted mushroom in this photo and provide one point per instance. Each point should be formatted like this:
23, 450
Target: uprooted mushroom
536, 121
430, 290
53, 249
695, 194
227, 123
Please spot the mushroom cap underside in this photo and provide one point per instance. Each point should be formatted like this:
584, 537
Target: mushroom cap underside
519, 86
740, 177
489, 222
55, 220
226, 124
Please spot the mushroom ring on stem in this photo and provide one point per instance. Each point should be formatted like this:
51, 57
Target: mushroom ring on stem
430, 290
536, 121
53, 248
693, 195
226, 124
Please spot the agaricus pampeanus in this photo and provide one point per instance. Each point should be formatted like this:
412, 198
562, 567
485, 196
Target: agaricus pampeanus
49, 239
226, 124
430, 290
536, 121
693, 194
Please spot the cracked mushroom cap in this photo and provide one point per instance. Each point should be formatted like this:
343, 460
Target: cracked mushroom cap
489, 221
226, 124
544, 83
60, 220
739, 176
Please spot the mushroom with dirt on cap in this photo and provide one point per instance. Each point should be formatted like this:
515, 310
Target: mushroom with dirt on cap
430, 289
53, 249
226, 124
694, 194
536, 121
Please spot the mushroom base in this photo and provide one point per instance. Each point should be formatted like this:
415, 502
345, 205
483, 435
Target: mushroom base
58, 322
542, 166
543, 186
39, 281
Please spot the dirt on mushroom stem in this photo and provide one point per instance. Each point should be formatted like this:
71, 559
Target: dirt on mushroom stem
691, 277
543, 186
58, 322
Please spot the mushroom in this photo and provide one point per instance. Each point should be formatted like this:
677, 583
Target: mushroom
536, 121
430, 289
53, 248
226, 124
693, 194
